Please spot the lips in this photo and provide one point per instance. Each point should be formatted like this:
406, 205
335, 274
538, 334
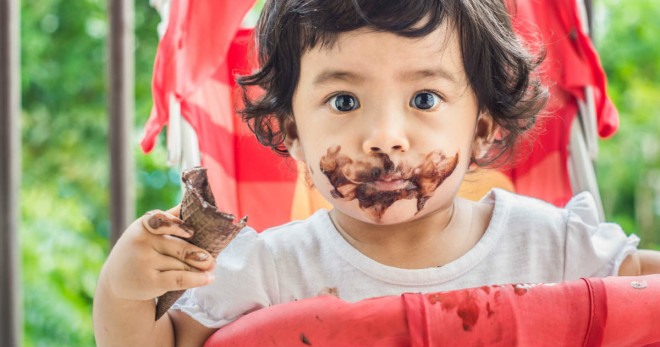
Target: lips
390, 178
390, 183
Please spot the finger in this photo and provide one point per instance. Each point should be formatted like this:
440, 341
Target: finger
167, 263
178, 280
184, 252
163, 223
175, 211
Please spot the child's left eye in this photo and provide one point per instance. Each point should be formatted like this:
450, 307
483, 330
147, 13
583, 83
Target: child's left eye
344, 103
425, 100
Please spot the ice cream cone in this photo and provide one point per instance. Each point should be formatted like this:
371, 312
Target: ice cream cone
213, 229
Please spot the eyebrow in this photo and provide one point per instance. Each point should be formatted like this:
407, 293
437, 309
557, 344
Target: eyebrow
429, 73
328, 76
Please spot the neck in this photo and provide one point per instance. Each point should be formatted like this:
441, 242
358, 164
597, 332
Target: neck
429, 241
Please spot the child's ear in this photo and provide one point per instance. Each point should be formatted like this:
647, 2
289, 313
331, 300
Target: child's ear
292, 141
294, 148
484, 133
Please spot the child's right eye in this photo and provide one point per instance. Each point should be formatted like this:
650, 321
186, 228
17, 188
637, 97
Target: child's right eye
344, 103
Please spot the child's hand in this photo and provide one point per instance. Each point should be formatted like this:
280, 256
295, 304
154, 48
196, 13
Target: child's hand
148, 260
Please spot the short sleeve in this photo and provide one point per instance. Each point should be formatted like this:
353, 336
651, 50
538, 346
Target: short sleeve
593, 249
245, 281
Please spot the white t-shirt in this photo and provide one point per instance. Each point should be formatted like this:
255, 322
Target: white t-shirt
527, 241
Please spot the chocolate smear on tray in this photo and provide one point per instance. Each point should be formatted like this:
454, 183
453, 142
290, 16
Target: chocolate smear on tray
213, 229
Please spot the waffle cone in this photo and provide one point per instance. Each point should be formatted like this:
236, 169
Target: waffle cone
213, 230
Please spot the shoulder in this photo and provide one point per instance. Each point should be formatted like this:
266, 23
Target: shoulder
300, 235
298, 228
573, 233
527, 231
570, 242
581, 208
518, 211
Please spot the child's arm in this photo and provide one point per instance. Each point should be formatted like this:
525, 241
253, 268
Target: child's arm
642, 262
146, 262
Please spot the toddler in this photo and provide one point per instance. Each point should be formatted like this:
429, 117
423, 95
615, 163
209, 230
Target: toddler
388, 104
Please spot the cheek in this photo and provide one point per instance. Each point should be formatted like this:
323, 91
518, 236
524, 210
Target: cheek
315, 144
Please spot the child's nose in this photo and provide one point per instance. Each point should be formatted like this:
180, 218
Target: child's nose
386, 141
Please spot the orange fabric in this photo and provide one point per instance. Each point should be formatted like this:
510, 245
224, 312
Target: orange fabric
479, 182
615, 311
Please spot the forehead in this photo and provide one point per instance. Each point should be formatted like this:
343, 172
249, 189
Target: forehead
367, 52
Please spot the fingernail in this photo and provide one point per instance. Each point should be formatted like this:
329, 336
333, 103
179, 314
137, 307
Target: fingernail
157, 220
209, 277
197, 256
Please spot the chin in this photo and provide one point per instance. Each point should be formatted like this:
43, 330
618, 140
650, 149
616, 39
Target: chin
399, 212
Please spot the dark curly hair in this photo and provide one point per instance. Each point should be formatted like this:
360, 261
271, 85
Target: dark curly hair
500, 70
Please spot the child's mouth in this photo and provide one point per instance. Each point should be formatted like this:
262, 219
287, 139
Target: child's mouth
390, 182
378, 186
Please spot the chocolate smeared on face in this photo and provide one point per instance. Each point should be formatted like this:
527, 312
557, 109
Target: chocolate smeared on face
364, 180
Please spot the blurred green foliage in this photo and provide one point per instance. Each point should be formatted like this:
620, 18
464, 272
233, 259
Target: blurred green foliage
64, 193
628, 167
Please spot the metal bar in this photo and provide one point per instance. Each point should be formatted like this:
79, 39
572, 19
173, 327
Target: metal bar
587, 108
590, 15
10, 301
121, 115
581, 168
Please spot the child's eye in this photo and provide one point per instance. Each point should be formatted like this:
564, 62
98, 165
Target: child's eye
344, 103
425, 100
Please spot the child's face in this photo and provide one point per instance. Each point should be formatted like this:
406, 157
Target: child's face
386, 124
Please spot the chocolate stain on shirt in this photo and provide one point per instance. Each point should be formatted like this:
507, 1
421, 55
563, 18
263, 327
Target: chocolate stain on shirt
355, 179
329, 291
